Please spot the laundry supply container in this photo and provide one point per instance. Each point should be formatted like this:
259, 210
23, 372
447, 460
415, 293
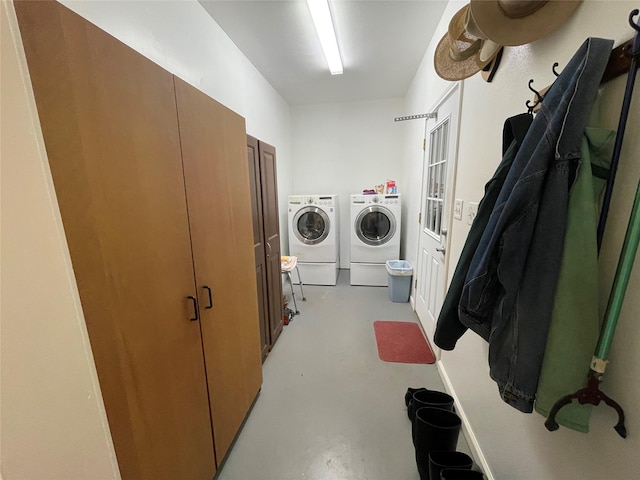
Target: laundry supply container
399, 277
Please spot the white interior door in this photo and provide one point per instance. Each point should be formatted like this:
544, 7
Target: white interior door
441, 135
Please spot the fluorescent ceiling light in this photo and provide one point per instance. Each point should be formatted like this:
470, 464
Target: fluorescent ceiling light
324, 27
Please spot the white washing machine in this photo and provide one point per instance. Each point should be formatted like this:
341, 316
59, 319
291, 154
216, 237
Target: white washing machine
375, 237
314, 237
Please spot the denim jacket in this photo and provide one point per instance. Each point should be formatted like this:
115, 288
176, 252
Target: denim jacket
510, 286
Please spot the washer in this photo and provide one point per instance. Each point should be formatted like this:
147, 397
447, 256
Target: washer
375, 237
314, 237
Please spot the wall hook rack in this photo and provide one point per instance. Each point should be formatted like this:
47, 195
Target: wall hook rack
433, 115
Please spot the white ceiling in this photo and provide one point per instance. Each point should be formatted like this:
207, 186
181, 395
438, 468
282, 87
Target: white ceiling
382, 43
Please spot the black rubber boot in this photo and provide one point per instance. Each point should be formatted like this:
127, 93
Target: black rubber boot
408, 399
427, 398
439, 460
459, 474
409, 395
434, 429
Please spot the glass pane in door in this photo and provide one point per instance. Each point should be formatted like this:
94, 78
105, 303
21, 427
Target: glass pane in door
437, 175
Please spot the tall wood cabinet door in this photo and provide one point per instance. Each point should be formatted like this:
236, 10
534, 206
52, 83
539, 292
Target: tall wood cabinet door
109, 122
214, 152
270, 213
253, 158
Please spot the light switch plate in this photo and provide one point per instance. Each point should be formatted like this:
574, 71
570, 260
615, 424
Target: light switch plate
473, 211
457, 209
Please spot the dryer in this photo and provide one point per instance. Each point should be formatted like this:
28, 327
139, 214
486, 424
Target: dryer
375, 237
314, 237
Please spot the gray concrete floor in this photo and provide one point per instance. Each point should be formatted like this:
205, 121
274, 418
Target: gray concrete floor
329, 408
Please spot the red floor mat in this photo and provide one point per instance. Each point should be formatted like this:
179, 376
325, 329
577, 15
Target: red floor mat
402, 342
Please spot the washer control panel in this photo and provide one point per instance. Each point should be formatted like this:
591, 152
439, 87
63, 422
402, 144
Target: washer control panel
322, 200
375, 199
382, 199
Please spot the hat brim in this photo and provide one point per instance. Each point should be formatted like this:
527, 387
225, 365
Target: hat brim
454, 70
449, 69
500, 28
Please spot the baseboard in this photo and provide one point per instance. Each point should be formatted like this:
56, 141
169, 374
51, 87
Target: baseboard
472, 440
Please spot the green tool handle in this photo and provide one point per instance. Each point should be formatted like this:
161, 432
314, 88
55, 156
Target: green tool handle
621, 280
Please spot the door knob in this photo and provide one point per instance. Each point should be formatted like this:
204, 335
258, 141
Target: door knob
444, 231
441, 249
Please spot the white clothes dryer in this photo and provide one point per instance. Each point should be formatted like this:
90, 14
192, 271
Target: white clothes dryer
375, 237
314, 237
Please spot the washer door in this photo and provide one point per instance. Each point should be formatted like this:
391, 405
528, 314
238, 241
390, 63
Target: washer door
311, 225
375, 225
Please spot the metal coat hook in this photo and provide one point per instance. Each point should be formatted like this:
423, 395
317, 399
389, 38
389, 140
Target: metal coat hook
530, 106
634, 25
538, 99
553, 69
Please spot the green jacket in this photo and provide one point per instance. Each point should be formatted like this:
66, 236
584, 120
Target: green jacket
575, 323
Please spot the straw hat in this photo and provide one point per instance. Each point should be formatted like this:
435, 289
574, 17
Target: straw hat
516, 22
461, 53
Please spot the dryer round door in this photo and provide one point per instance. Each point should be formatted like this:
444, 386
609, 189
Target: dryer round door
311, 225
375, 225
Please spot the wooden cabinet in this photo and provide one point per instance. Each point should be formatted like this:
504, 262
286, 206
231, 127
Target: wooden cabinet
154, 195
217, 184
266, 233
259, 248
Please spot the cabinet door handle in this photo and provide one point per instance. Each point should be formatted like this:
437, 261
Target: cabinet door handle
210, 299
195, 308
269, 245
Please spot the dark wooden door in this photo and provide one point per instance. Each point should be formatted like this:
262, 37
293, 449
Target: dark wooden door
270, 214
109, 122
214, 149
253, 158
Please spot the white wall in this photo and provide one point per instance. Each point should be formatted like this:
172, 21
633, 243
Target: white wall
53, 421
516, 445
344, 148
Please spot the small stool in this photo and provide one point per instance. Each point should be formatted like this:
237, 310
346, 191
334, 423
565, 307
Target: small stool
287, 264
